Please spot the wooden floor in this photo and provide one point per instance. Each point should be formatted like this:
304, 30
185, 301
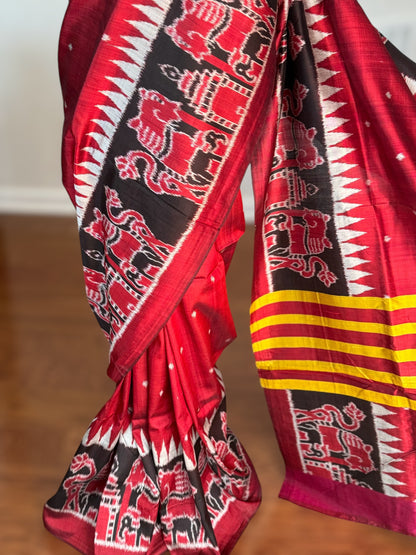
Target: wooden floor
53, 381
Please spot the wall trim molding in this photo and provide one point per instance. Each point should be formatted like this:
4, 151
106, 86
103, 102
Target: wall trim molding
55, 201
35, 200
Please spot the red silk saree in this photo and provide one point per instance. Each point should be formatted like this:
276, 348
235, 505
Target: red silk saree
166, 103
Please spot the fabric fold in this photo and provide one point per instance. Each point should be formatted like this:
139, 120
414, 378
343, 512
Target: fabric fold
332, 325
159, 469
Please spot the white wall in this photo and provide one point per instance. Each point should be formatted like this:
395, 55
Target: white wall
397, 20
31, 112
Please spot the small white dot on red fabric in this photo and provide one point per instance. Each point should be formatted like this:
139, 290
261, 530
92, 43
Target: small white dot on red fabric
106, 37
211, 371
400, 156
181, 350
70, 47
209, 332
229, 340
387, 238
212, 279
186, 437
145, 383
161, 393
368, 182
193, 314
367, 124
388, 94
171, 366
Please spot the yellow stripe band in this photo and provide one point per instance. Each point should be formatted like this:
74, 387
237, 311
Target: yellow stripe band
341, 389
403, 355
338, 368
376, 303
334, 323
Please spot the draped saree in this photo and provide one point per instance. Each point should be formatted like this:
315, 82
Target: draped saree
166, 103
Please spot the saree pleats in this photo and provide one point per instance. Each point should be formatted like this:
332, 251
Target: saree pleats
168, 104
159, 468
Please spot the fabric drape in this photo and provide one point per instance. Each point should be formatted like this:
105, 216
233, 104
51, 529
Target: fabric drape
166, 103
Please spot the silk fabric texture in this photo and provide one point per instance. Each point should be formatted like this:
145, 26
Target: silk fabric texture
166, 103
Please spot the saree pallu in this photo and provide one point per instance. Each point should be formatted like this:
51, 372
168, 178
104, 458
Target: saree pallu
166, 103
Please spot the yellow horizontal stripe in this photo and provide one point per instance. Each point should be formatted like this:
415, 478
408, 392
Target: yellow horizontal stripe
376, 303
335, 323
341, 389
403, 355
337, 368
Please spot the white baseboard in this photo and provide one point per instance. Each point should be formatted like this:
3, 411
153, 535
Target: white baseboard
55, 201
35, 200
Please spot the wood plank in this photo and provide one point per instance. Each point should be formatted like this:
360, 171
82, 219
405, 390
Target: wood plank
53, 381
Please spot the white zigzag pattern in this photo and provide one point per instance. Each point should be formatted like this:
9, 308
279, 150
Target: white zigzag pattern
311, 3
337, 169
115, 101
411, 83
104, 440
126, 438
384, 439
